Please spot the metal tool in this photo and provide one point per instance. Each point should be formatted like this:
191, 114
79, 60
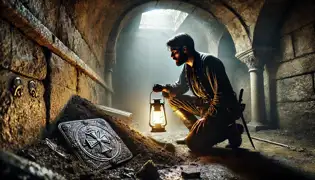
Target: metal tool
55, 148
243, 119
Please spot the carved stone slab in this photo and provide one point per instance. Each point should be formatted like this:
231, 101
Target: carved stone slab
95, 142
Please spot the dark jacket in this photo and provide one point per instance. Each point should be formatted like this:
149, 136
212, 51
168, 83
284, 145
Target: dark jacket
208, 80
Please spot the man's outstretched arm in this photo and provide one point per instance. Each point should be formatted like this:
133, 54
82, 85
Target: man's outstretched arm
179, 87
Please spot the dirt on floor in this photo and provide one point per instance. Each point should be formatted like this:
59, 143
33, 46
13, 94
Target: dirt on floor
173, 161
72, 168
142, 148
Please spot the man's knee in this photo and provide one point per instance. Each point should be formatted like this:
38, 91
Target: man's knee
198, 144
205, 139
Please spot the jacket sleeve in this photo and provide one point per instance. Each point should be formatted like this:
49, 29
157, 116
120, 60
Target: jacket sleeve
180, 86
218, 82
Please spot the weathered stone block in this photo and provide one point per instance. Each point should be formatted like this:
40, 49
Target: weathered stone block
46, 11
5, 44
66, 29
222, 13
59, 97
63, 73
240, 5
251, 12
238, 35
297, 117
91, 90
298, 88
286, 48
84, 86
22, 118
304, 40
101, 95
297, 66
81, 48
303, 13
27, 57
91, 18
100, 67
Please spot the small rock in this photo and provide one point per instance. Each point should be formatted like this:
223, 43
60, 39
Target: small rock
162, 166
293, 148
26, 154
128, 175
69, 169
194, 164
129, 170
114, 177
148, 171
15, 167
190, 173
301, 149
86, 176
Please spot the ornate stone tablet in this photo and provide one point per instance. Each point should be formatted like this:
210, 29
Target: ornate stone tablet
95, 142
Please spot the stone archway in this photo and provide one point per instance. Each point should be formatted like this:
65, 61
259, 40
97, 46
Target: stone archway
214, 11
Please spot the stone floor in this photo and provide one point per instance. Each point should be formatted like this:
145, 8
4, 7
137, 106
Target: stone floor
268, 161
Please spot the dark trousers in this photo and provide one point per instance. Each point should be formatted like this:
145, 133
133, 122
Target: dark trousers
215, 129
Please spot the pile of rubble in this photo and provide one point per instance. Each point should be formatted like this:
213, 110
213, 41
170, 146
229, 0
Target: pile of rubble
85, 142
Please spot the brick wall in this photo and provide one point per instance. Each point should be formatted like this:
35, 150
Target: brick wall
295, 72
22, 119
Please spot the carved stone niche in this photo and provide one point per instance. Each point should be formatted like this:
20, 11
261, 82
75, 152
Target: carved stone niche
22, 117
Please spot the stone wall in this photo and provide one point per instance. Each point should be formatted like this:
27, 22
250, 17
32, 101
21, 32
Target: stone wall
23, 115
295, 90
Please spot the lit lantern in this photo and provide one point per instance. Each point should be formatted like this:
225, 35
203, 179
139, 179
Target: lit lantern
157, 115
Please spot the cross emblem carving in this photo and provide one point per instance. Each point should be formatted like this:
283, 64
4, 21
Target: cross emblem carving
95, 138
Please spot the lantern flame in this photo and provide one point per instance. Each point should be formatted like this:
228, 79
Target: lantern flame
157, 117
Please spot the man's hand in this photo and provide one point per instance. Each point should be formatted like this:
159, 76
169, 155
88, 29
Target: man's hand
200, 123
158, 88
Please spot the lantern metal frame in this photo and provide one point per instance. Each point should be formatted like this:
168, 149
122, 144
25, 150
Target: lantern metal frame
162, 127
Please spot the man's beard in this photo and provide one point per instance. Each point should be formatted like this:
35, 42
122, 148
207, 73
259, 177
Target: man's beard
182, 59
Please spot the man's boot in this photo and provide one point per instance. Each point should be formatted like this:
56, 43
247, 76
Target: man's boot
188, 119
234, 135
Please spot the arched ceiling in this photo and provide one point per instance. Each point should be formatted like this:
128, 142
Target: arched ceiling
100, 21
269, 22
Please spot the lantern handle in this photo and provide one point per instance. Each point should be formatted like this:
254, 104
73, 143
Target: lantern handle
151, 97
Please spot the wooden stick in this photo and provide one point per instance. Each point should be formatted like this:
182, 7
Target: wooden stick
271, 142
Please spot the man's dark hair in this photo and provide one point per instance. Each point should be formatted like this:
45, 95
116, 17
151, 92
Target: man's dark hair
180, 40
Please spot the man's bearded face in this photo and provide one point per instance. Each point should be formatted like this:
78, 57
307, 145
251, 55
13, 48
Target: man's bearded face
179, 56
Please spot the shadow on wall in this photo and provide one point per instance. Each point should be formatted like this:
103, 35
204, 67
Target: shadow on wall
236, 70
